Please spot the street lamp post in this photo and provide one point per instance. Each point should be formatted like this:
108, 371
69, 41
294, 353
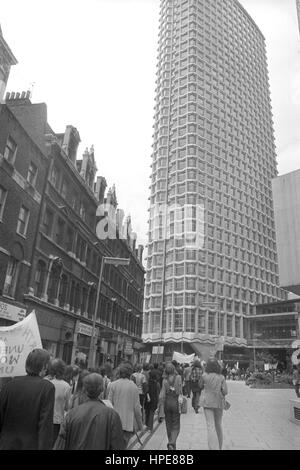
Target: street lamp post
182, 331
255, 336
105, 260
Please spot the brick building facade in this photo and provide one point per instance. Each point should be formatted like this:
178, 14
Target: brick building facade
23, 169
54, 201
50, 255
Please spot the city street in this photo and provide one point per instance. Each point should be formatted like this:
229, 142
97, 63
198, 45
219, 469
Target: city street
257, 420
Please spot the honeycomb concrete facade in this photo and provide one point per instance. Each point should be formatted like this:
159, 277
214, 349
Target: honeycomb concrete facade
211, 248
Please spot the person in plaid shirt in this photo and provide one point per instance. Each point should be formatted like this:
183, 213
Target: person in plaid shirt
196, 384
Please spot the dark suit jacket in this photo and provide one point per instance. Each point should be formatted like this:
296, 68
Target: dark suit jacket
91, 426
26, 414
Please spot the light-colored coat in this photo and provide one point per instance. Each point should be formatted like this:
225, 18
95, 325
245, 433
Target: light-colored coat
124, 396
215, 389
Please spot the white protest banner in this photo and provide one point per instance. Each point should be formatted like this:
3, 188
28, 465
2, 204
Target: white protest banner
16, 342
183, 358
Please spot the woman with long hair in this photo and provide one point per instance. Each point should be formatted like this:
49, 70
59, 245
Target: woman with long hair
171, 389
213, 401
56, 370
152, 402
79, 395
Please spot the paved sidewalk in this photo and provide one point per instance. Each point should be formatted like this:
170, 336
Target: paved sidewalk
257, 420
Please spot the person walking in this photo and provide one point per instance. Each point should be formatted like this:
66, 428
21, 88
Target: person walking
108, 368
142, 384
56, 371
27, 406
158, 372
213, 401
296, 380
152, 403
224, 370
124, 397
79, 396
92, 425
106, 382
187, 380
196, 384
170, 392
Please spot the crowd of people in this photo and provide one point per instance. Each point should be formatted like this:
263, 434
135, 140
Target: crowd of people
70, 407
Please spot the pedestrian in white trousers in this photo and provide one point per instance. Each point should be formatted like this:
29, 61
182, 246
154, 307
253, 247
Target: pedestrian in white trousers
213, 400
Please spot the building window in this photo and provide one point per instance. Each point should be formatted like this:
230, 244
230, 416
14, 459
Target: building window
53, 284
80, 249
11, 278
23, 221
178, 321
10, 150
211, 323
55, 177
48, 222
64, 188
3, 194
60, 230
155, 322
63, 290
229, 325
190, 320
40, 274
32, 174
82, 211
201, 322
70, 239
237, 327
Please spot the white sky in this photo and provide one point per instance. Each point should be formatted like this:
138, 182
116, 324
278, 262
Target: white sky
94, 62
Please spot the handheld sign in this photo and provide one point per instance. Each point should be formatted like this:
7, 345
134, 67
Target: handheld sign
16, 342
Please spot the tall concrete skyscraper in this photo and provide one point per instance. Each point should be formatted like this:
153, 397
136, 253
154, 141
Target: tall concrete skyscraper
211, 249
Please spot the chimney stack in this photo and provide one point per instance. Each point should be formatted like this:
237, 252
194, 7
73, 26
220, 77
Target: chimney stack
18, 98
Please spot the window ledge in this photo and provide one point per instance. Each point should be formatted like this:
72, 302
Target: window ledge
21, 235
8, 296
8, 166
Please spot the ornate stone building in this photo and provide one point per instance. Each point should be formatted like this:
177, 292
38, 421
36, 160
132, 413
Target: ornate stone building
7, 59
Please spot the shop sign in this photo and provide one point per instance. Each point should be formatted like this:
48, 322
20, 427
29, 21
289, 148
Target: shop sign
157, 349
86, 330
12, 312
128, 348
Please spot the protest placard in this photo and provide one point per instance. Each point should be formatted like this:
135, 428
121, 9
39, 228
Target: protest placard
183, 358
16, 342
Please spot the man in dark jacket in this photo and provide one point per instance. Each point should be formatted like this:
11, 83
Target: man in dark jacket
91, 425
26, 407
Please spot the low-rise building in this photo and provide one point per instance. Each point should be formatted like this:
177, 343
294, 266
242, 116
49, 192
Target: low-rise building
286, 196
273, 329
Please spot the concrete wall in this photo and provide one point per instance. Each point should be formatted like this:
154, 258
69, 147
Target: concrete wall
286, 196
